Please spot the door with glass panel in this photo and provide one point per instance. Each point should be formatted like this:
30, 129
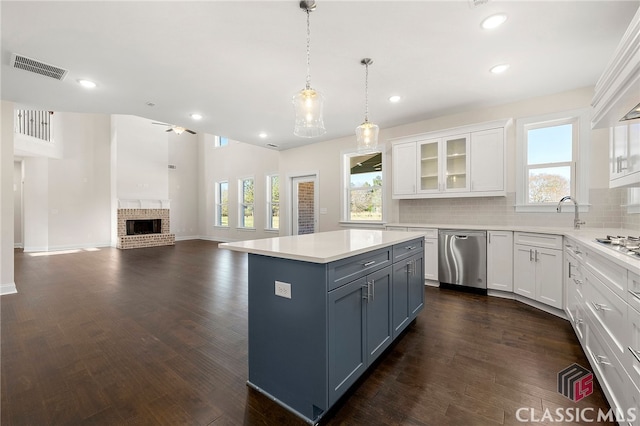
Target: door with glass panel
429, 166
456, 163
304, 197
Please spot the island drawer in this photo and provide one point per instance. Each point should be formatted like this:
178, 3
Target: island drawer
346, 270
407, 249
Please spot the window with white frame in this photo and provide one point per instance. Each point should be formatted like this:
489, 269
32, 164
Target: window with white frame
363, 183
221, 141
273, 203
246, 200
222, 203
552, 154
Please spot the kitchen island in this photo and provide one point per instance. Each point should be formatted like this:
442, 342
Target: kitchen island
323, 307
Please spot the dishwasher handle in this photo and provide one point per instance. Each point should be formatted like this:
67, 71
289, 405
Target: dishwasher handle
461, 237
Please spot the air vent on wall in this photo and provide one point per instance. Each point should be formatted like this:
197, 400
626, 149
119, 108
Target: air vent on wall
38, 67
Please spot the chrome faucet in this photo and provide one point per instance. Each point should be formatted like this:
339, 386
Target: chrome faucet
576, 221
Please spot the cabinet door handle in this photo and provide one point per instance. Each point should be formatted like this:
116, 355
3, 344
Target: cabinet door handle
373, 290
634, 294
530, 255
536, 255
636, 354
409, 265
366, 295
570, 265
368, 263
600, 307
601, 360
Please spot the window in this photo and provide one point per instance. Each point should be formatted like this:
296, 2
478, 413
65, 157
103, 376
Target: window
222, 203
552, 152
221, 141
245, 192
273, 205
363, 198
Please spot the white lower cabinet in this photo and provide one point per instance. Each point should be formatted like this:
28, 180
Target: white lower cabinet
500, 260
537, 269
607, 324
430, 252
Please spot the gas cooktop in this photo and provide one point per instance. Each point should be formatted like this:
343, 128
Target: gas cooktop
626, 245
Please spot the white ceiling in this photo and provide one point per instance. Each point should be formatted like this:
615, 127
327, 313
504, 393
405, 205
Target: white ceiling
239, 63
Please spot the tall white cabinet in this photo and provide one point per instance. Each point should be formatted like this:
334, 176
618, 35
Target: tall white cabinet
462, 162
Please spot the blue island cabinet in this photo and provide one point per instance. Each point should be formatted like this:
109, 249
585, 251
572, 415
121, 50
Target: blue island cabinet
309, 345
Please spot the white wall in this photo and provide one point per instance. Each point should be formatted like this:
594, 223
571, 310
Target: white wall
17, 204
36, 204
79, 184
183, 186
142, 158
67, 201
7, 284
231, 162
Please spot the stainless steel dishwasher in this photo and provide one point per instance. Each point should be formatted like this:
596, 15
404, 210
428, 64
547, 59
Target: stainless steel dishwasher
462, 258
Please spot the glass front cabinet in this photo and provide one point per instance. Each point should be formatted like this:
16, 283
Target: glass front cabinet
466, 161
444, 164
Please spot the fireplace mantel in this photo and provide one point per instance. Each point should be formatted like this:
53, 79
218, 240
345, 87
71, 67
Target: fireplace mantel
143, 204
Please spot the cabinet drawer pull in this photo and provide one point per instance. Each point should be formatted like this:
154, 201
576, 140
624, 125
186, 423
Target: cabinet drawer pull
577, 251
636, 354
601, 360
634, 294
600, 307
409, 247
578, 322
577, 281
368, 263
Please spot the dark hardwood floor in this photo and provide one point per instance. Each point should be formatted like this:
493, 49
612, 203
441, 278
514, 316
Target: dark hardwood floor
158, 336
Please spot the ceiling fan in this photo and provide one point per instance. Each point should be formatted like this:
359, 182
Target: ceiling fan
176, 129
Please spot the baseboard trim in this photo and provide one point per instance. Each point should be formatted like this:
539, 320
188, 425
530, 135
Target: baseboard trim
8, 289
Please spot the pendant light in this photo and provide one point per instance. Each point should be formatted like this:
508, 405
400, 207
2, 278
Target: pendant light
366, 133
308, 102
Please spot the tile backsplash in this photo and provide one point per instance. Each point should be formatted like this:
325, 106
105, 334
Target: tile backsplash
606, 211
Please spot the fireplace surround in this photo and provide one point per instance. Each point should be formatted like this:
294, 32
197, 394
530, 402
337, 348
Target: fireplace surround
142, 227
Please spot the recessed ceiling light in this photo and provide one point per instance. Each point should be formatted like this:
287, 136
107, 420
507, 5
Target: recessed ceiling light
87, 84
262, 135
494, 21
196, 116
499, 69
394, 98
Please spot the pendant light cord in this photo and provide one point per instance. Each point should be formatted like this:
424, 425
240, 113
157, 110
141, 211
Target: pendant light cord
366, 93
308, 51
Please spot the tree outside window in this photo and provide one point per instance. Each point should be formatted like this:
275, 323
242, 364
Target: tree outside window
273, 205
550, 162
222, 204
246, 203
365, 187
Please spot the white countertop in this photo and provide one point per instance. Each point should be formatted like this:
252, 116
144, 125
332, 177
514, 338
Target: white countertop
323, 247
585, 236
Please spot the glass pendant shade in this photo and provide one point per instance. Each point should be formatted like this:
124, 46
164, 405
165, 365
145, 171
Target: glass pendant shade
367, 137
308, 104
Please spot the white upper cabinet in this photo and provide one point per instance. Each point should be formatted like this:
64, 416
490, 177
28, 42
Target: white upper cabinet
487, 148
624, 155
462, 162
404, 167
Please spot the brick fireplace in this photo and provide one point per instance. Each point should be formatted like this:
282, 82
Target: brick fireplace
152, 229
